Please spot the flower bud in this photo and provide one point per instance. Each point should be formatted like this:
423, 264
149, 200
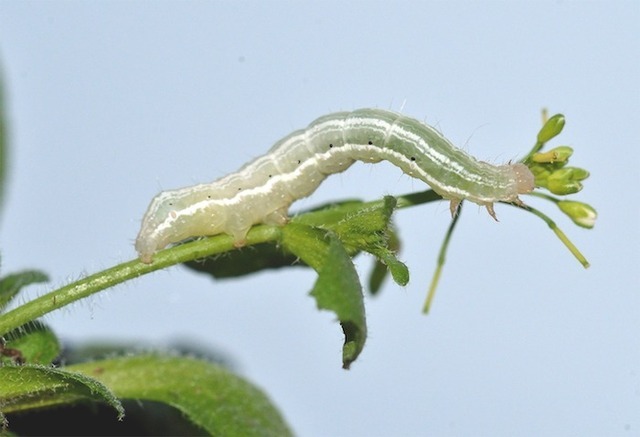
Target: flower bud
559, 154
541, 175
566, 180
582, 214
551, 128
578, 174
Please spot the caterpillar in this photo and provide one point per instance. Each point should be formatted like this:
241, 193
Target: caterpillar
263, 189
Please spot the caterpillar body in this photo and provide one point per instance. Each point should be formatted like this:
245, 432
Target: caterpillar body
262, 190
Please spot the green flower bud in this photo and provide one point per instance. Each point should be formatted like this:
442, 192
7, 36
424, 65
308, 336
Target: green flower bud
582, 214
563, 188
578, 174
541, 176
551, 128
566, 180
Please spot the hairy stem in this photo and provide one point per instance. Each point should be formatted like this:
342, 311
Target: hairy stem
125, 271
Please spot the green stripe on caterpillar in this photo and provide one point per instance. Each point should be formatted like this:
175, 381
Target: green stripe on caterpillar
262, 190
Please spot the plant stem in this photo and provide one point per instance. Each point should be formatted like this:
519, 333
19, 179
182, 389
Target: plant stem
197, 249
122, 272
561, 235
413, 199
441, 260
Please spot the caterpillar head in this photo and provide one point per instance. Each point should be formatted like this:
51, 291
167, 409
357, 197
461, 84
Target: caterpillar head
525, 181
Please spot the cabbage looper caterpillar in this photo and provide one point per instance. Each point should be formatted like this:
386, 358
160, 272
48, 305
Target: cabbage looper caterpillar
262, 190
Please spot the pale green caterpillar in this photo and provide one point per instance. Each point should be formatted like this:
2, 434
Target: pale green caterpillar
262, 190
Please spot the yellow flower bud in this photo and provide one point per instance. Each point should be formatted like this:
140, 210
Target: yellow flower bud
559, 154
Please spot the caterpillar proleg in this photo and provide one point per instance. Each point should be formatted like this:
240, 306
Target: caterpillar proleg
262, 190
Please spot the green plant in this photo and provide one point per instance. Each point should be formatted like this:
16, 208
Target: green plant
212, 399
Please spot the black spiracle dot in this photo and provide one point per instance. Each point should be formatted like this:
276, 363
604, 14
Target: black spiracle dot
299, 162
413, 158
370, 143
270, 175
330, 146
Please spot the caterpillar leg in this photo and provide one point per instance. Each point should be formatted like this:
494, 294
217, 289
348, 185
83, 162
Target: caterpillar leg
454, 204
519, 202
278, 217
239, 242
239, 232
491, 211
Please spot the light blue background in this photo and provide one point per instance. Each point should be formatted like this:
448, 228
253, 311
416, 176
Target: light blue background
109, 102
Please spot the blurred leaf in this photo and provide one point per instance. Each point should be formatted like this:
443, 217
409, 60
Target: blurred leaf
377, 276
10, 285
35, 341
143, 418
99, 350
33, 386
4, 140
210, 396
245, 261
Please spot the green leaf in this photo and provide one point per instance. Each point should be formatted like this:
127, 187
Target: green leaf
338, 288
10, 285
368, 229
361, 226
210, 396
34, 386
36, 343
248, 260
330, 214
381, 270
307, 243
399, 271
365, 228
